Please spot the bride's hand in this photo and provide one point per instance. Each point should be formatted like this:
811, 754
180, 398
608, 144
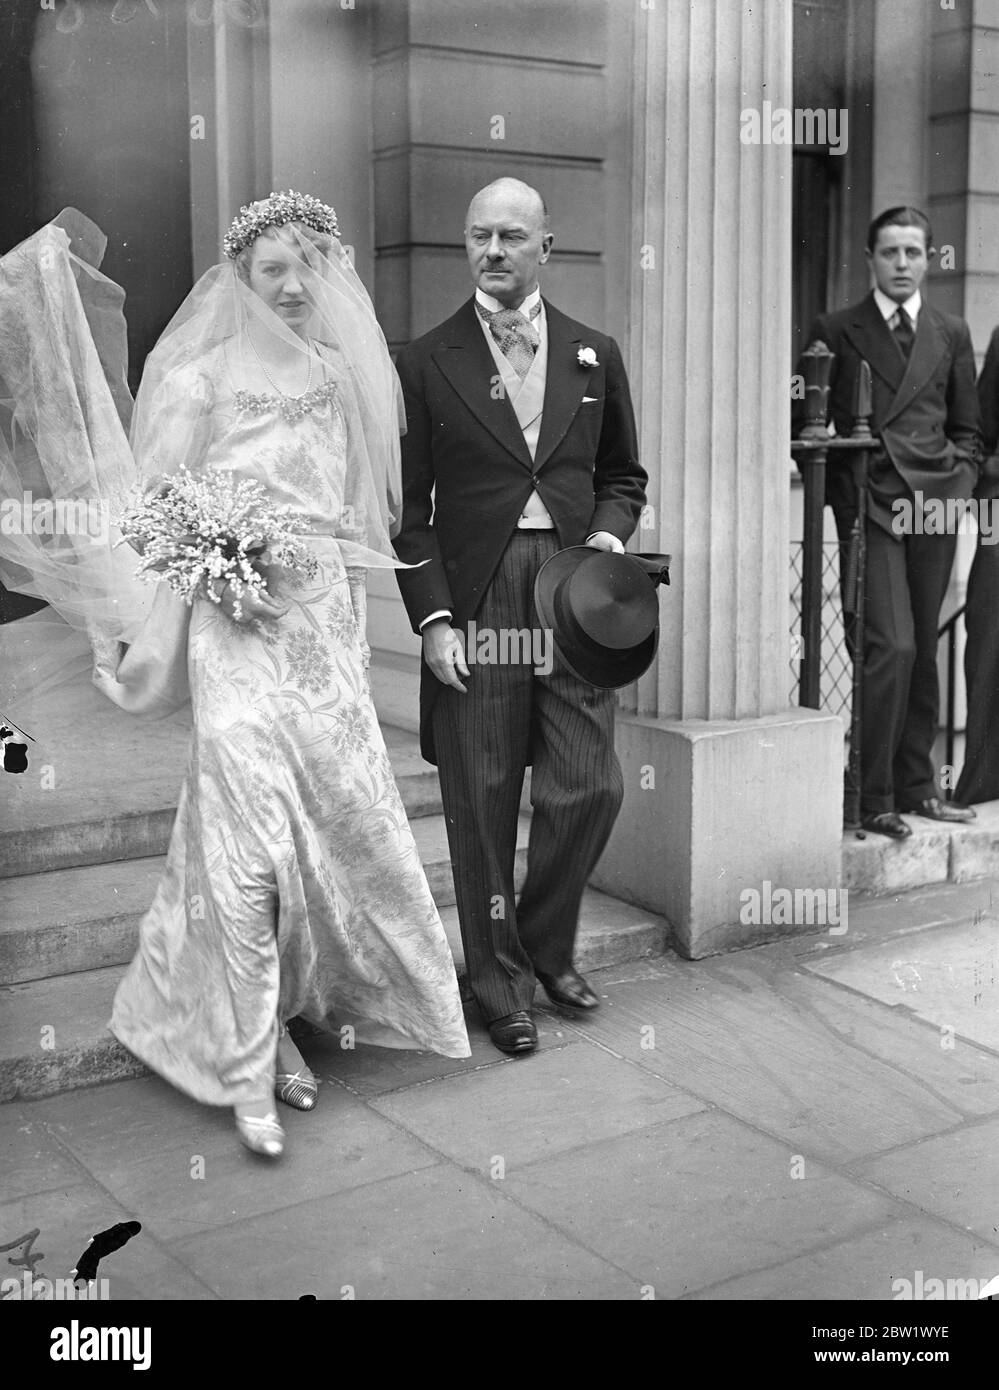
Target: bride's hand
255, 607
157, 486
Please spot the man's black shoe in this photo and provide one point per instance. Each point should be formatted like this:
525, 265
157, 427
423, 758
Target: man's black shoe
935, 809
514, 1033
568, 990
887, 823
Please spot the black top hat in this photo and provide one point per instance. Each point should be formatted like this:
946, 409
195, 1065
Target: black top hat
601, 609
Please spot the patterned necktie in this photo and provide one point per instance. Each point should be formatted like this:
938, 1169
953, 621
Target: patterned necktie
517, 339
903, 331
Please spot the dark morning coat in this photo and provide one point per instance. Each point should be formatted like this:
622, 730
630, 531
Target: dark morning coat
464, 445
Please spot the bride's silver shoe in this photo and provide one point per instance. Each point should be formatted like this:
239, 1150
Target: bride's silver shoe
261, 1134
297, 1088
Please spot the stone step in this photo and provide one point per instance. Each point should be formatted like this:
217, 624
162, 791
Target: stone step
935, 853
103, 814
102, 785
395, 686
87, 918
72, 920
55, 1034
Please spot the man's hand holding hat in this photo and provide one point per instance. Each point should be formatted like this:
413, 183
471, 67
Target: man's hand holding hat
603, 540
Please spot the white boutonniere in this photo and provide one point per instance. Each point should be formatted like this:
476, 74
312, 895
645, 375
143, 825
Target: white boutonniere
586, 357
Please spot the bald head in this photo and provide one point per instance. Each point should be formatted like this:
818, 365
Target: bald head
511, 195
507, 239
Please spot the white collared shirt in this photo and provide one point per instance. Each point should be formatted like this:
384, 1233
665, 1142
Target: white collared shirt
889, 307
494, 306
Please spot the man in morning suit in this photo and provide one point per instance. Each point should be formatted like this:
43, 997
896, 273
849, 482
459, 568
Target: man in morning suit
527, 442
925, 416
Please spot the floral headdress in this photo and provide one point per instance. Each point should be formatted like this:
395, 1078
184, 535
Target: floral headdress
275, 211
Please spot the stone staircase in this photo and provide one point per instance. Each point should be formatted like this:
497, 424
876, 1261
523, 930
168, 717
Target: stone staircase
82, 839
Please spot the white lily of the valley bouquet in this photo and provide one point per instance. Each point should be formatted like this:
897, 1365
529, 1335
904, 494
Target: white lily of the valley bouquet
192, 531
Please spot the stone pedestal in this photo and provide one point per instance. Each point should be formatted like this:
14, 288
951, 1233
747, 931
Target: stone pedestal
714, 811
727, 788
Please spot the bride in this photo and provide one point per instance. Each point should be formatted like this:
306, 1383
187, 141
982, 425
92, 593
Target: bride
293, 886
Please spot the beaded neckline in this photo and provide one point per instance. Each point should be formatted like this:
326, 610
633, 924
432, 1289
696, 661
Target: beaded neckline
290, 407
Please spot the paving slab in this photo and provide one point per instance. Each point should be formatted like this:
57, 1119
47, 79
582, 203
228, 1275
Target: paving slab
550, 1102
66, 1219
947, 975
375, 1071
754, 1183
954, 1177
900, 913
686, 1204
963, 1075
724, 1031
180, 1168
435, 1234
874, 1265
33, 1159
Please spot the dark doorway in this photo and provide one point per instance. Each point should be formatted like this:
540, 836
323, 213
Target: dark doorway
96, 116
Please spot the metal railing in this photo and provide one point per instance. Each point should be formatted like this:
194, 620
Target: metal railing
815, 450
948, 630
835, 664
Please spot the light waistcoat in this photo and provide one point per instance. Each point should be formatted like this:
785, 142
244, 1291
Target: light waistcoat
527, 396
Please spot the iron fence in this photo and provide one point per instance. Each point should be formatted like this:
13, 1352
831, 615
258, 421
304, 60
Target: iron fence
827, 605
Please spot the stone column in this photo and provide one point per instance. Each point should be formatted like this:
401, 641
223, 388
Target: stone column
727, 788
901, 91
227, 62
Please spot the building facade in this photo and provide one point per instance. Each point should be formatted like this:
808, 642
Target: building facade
704, 251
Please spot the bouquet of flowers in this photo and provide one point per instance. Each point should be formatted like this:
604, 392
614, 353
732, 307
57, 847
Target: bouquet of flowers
192, 530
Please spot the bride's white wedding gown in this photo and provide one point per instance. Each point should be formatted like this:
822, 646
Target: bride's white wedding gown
293, 884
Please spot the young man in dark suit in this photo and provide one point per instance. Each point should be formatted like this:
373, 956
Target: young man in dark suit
520, 441
925, 415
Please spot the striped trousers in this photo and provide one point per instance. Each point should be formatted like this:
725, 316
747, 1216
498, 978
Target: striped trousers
512, 715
